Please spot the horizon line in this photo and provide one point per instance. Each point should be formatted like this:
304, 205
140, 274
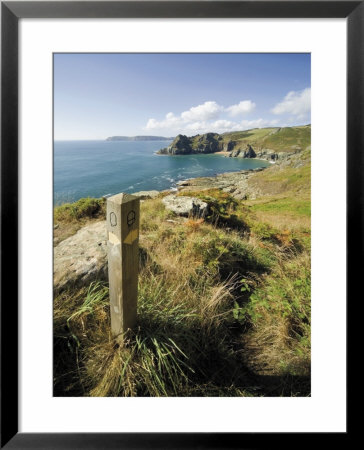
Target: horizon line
166, 137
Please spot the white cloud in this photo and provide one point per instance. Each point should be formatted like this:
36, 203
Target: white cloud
222, 123
193, 126
200, 113
151, 124
257, 123
217, 126
206, 111
297, 103
206, 117
171, 121
243, 107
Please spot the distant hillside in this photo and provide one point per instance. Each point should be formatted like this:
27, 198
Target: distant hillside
139, 138
278, 139
268, 143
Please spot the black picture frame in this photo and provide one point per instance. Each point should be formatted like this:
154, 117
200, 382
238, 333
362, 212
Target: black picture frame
11, 12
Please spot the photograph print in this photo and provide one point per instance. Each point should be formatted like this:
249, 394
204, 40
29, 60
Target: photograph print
182, 225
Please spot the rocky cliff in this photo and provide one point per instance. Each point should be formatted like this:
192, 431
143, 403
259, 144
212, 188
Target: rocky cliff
183, 145
271, 144
212, 143
180, 146
248, 152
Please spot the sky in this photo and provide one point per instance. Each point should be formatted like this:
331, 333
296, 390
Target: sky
102, 95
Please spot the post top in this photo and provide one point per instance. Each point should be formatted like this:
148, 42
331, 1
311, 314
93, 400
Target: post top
122, 198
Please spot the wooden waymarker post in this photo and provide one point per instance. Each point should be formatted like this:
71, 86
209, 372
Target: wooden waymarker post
123, 211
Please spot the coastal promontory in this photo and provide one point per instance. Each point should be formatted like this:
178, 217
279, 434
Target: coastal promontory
264, 143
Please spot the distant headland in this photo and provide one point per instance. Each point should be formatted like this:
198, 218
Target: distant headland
139, 138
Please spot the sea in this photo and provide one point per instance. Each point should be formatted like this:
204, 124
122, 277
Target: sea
104, 168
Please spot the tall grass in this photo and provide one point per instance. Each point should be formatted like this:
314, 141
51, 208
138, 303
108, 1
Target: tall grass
279, 312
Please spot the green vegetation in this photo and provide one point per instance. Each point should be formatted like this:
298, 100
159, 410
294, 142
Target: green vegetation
250, 135
279, 311
285, 200
83, 208
284, 205
223, 307
277, 139
289, 181
292, 137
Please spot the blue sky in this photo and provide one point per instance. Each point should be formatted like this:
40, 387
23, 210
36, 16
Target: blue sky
101, 95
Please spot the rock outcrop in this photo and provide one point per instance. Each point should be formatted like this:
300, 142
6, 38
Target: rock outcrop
249, 152
81, 258
180, 146
186, 206
183, 145
229, 145
207, 143
234, 183
269, 155
145, 195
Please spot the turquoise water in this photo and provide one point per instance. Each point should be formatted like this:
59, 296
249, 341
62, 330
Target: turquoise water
98, 168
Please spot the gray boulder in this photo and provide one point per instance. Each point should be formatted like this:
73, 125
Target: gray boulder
82, 258
145, 195
186, 206
247, 153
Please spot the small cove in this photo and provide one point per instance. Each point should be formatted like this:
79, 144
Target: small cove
99, 168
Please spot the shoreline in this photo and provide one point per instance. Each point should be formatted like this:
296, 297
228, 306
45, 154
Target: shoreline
222, 153
245, 172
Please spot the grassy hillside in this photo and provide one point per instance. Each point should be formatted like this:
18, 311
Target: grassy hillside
277, 139
285, 198
223, 308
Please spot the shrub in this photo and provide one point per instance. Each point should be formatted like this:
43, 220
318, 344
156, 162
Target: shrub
228, 254
83, 208
223, 207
